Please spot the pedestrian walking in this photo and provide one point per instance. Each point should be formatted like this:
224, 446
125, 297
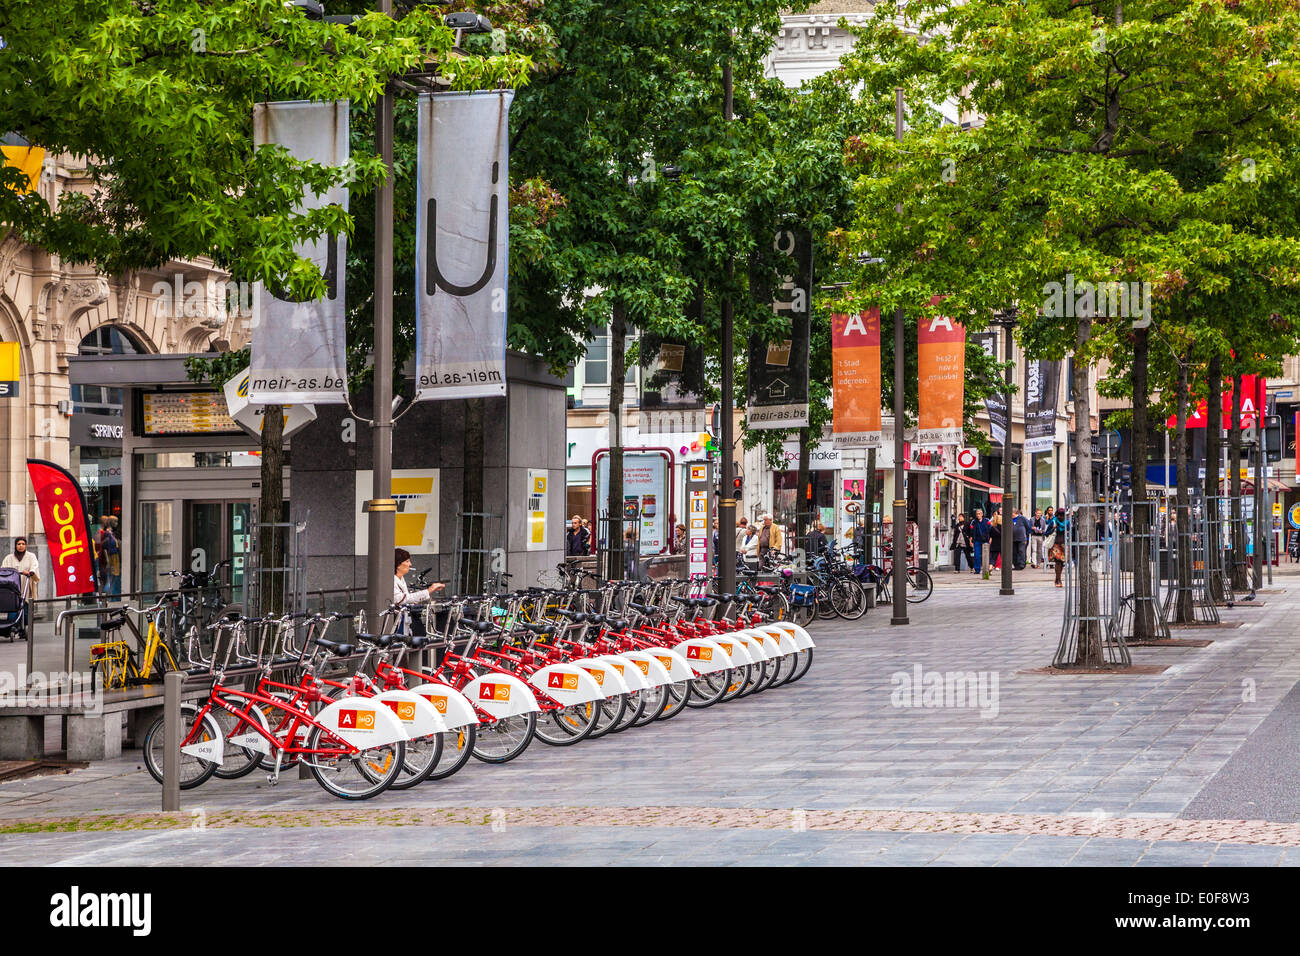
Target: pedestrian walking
978, 532
995, 539
1057, 529
1020, 541
817, 540
959, 542
769, 538
577, 539
1037, 533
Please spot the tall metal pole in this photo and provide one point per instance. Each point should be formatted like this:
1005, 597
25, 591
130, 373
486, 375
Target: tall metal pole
1257, 530
382, 508
726, 503
900, 472
1008, 496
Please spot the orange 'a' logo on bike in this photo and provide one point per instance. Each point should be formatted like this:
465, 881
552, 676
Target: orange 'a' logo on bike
561, 681
404, 709
697, 653
439, 702
356, 720
494, 692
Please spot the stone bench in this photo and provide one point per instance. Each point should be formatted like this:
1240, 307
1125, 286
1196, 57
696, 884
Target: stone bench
93, 721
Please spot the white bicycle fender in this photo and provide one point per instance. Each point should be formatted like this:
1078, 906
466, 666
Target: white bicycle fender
735, 649
362, 722
673, 662
417, 714
567, 684
784, 642
501, 695
757, 644
625, 669
797, 634
654, 673
452, 706
704, 656
610, 680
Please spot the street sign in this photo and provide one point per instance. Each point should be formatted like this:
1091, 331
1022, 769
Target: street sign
968, 458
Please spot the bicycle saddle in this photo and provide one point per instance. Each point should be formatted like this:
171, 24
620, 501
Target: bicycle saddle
114, 623
340, 650
577, 617
415, 643
483, 627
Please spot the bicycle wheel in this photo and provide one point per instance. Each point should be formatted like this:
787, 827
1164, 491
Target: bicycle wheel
848, 599
777, 606
237, 761
567, 725
457, 747
193, 770
803, 662
803, 614
679, 694
609, 712
707, 689
737, 680
919, 585
636, 702
422, 755
505, 739
656, 702
355, 775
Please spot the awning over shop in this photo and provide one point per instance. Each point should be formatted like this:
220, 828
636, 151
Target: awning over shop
994, 491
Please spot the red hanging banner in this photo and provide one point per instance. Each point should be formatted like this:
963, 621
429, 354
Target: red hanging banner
1254, 394
941, 360
855, 357
66, 534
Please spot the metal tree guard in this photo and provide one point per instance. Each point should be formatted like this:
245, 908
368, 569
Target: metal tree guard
1092, 590
1217, 549
1142, 544
1187, 567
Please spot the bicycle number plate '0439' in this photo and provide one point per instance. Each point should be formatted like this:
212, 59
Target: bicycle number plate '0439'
567, 684
654, 673
501, 695
454, 708
417, 714
704, 655
213, 751
362, 722
605, 674
629, 672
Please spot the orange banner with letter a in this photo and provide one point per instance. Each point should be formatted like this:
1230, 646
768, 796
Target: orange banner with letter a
941, 352
66, 534
855, 358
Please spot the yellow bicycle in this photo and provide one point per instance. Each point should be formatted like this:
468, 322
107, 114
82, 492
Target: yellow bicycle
116, 660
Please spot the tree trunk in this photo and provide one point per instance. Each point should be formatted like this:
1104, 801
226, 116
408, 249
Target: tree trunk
1089, 653
1213, 451
1234, 472
1144, 625
1182, 509
803, 502
471, 500
615, 557
270, 508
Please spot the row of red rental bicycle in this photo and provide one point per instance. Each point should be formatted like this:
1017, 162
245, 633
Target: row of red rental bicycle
490, 674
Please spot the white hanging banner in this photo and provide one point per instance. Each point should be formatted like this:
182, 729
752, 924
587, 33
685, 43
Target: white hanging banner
299, 349
461, 244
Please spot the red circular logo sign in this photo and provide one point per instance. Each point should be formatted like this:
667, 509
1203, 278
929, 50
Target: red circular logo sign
967, 458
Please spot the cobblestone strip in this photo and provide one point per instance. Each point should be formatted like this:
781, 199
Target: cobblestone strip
1256, 832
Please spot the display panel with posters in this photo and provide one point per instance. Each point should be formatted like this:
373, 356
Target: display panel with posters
646, 483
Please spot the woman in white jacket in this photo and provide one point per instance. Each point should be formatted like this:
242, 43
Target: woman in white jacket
401, 593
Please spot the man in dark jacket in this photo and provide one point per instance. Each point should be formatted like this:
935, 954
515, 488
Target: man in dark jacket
816, 539
977, 531
1020, 540
577, 539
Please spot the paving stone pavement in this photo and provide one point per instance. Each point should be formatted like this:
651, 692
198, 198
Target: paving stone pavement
1032, 770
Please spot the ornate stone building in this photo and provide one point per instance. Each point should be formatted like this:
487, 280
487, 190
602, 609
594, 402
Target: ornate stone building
55, 310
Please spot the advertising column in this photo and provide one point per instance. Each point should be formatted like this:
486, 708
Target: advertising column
699, 538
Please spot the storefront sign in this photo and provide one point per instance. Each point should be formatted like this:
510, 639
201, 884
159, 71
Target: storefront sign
9, 353
537, 508
63, 516
299, 349
941, 351
461, 255
820, 457
250, 416
95, 430
855, 356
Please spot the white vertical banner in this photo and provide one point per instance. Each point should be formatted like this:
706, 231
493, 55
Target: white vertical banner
462, 244
537, 501
299, 349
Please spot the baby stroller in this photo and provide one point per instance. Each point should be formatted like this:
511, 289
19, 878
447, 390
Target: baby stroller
13, 604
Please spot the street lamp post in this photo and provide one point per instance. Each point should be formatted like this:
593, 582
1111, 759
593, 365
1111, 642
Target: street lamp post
900, 469
1007, 320
726, 440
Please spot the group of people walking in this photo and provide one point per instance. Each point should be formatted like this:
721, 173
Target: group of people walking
1035, 541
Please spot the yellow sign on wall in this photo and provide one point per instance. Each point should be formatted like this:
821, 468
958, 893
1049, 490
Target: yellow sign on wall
537, 508
28, 161
9, 369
